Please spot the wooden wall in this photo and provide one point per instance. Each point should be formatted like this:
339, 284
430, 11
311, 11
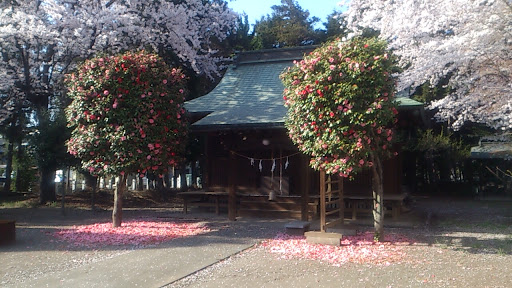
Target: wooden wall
250, 180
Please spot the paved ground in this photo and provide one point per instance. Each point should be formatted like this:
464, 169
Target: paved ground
460, 243
37, 260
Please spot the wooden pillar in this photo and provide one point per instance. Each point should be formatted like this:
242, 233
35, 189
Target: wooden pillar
205, 163
322, 201
342, 200
305, 187
231, 187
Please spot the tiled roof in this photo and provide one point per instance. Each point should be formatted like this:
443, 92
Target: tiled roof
492, 151
251, 94
407, 103
248, 94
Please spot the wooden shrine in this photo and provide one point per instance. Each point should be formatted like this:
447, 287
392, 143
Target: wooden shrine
248, 157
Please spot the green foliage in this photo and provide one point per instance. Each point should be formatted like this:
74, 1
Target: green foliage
15, 203
340, 104
49, 140
426, 93
24, 165
288, 26
127, 114
432, 142
335, 26
240, 39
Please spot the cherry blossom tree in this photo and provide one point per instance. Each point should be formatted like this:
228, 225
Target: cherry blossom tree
186, 28
127, 117
340, 108
41, 41
465, 42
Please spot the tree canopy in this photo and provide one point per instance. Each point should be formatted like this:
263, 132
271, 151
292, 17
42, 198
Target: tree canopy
127, 114
465, 45
288, 26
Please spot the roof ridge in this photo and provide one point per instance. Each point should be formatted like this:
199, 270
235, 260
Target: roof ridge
272, 55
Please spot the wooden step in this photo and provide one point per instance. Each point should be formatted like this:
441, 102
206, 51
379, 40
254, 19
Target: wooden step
269, 206
264, 199
270, 213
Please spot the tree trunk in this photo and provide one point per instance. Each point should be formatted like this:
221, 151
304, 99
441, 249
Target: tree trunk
175, 178
159, 184
117, 212
94, 188
91, 182
20, 158
8, 168
378, 198
47, 186
183, 177
194, 171
167, 181
140, 182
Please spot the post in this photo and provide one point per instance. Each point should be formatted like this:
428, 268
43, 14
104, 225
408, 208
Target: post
322, 201
342, 200
62, 188
231, 187
305, 183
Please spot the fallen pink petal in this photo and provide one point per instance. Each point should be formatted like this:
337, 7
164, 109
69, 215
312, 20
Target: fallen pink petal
135, 232
361, 249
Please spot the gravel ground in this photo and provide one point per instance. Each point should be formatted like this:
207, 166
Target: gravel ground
461, 243
458, 243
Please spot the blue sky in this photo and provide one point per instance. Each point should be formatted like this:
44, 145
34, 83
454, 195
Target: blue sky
257, 8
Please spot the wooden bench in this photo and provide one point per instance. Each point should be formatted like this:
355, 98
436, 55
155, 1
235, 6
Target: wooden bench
204, 199
283, 206
364, 203
7, 231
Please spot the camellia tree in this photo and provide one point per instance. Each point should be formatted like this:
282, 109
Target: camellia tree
127, 116
341, 108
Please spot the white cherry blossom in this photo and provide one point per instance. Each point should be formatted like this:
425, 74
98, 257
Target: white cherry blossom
467, 41
41, 40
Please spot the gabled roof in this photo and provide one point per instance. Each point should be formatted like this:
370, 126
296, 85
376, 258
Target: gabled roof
250, 95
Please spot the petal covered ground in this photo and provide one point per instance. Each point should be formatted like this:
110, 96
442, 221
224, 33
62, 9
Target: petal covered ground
360, 249
135, 232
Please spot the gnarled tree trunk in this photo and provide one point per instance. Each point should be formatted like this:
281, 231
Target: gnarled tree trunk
378, 198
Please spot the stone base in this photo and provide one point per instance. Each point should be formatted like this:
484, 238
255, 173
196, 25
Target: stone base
345, 230
325, 238
7, 231
297, 228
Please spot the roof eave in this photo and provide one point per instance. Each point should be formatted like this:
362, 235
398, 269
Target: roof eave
226, 127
